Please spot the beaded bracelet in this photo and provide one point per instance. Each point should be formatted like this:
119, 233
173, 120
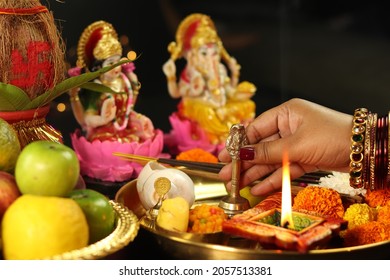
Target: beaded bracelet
357, 148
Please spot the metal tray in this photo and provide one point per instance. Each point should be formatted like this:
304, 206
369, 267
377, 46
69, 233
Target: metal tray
224, 246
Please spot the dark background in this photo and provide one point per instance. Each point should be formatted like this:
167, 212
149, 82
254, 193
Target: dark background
335, 53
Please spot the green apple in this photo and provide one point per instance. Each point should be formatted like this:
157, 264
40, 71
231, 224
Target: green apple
47, 168
97, 209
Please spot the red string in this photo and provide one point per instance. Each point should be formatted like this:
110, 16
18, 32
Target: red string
23, 11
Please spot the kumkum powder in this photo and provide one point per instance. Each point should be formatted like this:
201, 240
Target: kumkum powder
198, 155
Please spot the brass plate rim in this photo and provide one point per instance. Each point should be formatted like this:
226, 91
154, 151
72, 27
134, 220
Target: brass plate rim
247, 253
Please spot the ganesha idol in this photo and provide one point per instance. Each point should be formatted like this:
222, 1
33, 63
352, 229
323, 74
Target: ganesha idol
108, 120
211, 97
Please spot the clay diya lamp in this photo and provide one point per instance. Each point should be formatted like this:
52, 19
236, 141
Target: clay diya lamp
282, 228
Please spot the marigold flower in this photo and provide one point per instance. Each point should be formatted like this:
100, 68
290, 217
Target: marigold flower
377, 198
197, 154
367, 233
358, 214
384, 214
323, 201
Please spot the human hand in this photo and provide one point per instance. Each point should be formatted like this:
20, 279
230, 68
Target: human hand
108, 110
169, 68
234, 67
315, 138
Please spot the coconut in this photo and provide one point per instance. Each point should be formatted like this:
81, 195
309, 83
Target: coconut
31, 48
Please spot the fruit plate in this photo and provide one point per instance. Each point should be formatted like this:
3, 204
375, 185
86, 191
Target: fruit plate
224, 246
127, 226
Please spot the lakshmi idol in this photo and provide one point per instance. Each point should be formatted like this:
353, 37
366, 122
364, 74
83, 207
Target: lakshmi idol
212, 99
108, 120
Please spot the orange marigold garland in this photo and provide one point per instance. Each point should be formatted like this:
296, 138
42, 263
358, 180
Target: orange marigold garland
371, 231
377, 197
323, 201
358, 214
197, 154
384, 214
368, 233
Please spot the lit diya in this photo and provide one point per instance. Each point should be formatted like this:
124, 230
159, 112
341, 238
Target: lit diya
274, 225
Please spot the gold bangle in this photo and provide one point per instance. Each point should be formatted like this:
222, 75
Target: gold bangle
357, 148
171, 79
74, 98
373, 151
367, 151
388, 151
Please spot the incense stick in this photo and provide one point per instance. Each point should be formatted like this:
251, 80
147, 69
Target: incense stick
309, 178
205, 166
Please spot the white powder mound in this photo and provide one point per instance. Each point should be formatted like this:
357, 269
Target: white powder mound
339, 181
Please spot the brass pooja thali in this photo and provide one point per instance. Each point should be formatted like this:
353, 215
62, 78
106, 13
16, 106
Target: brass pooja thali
225, 246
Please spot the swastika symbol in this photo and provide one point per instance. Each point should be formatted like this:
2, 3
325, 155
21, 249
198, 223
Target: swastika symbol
34, 69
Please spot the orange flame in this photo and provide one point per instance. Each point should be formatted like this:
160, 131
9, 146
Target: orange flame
286, 216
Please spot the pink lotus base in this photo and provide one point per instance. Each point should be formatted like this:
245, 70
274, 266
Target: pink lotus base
97, 161
186, 135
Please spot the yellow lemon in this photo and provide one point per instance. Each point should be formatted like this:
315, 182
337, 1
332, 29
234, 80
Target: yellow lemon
9, 146
37, 227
